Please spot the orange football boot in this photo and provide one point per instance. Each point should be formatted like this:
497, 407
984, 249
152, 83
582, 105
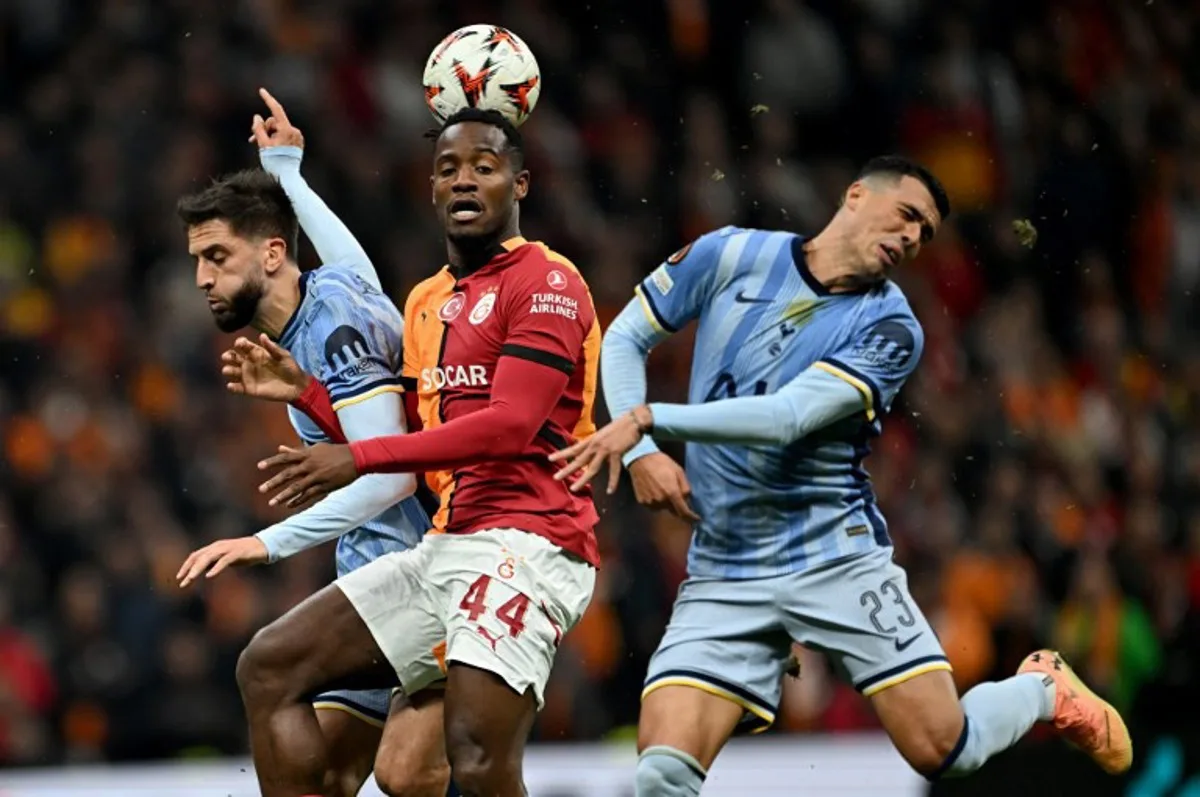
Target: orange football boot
1081, 717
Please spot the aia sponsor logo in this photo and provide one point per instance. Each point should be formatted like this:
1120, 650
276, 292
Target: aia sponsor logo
453, 307
344, 347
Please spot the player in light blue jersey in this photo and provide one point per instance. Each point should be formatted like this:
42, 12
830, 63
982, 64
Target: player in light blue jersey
801, 348
337, 324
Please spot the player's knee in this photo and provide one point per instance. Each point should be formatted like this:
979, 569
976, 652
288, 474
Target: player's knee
263, 667
471, 766
396, 781
930, 750
342, 783
475, 770
403, 781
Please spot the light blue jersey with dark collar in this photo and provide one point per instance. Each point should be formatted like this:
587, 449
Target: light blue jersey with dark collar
349, 335
792, 494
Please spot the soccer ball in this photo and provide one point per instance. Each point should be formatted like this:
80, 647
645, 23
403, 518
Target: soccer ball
482, 66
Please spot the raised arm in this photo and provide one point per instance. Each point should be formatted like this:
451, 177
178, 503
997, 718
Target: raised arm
281, 150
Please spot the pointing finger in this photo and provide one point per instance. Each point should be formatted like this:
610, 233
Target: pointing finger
274, 106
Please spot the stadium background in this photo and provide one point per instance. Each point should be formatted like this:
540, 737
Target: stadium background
1040, 474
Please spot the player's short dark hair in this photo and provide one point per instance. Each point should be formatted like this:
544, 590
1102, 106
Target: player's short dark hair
900, 166
251, 201
512, 136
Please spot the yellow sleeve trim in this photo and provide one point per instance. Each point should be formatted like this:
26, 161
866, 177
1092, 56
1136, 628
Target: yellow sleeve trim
859, 385
372, 393
648, 312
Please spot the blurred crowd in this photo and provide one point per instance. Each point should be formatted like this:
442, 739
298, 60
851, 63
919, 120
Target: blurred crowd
1040, 473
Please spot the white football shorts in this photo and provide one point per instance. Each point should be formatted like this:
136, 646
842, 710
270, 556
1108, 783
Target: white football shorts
499, 600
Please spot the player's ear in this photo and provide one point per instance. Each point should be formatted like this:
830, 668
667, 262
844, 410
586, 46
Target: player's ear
432, 192
520, 184
854, 194
275, 255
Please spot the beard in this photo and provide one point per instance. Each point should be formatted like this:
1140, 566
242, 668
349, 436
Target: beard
241, 308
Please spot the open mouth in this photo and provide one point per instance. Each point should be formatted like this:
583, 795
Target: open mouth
891, 254
466, 209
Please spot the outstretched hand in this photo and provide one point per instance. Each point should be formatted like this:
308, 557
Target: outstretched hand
264, 370
587, 457
212, 559
306, 474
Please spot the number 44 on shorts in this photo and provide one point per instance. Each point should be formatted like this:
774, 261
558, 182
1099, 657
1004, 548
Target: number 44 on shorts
511, 612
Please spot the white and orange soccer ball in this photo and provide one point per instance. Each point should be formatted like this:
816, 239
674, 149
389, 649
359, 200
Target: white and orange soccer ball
482, 66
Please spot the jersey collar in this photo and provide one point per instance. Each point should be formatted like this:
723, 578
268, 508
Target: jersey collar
509, 246
800, 258
289, 329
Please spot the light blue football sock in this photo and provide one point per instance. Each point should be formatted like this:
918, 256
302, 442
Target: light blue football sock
997, 715
666, 772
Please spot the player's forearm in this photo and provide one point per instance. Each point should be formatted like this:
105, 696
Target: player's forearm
318, 406
330, 237
341, 511
316, 403
524, 394
811, 401
627, 345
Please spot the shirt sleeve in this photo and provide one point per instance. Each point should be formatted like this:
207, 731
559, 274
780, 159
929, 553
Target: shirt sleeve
524, 393
814, 399
679, 289
330, 237
627, 345
355, 357
878, 360
353, 505
863, 375
548, 313
314, 402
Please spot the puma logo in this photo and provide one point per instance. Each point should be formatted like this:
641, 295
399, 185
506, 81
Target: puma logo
492, 640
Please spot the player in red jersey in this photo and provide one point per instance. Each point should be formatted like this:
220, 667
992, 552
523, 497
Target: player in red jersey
503, 357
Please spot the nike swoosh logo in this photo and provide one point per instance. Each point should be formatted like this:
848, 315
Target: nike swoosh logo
904, 645
744, 299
